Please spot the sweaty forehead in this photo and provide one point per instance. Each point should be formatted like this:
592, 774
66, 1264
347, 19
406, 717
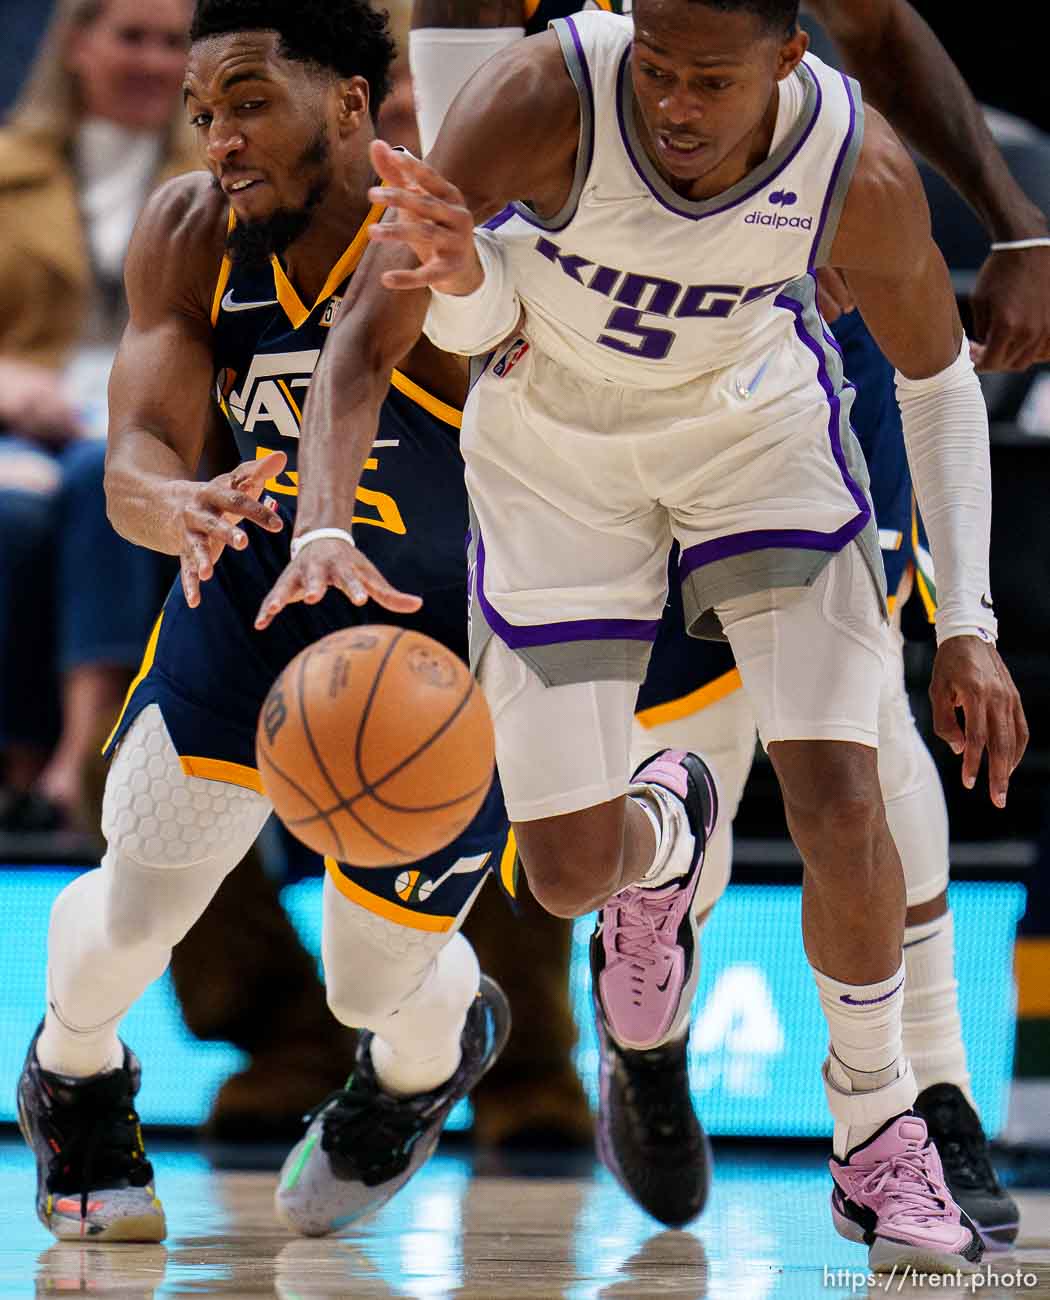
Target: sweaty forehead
218, 59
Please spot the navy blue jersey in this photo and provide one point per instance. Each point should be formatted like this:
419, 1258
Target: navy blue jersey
209, 670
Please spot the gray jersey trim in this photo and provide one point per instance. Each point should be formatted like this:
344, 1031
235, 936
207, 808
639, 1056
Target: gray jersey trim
576, 65
841, 178
745, 188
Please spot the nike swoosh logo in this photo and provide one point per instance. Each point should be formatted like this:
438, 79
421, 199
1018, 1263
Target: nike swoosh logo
228, 303
868, 1002
986, 601
663, 987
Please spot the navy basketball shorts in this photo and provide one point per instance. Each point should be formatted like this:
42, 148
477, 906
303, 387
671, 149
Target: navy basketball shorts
209, 671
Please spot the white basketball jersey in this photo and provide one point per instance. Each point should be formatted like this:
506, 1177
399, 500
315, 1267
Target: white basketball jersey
632, 283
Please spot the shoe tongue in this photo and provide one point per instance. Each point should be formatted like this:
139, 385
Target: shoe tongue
912, 1130
903, 1137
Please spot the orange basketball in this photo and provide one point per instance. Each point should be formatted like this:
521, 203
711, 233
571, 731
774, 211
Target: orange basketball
375, 746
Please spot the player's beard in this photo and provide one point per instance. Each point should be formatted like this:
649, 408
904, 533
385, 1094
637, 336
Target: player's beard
253, 243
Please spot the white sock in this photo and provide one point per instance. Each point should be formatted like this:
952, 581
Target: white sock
864, 1026
417, 1047
674, 839
78, 1053
932, 1028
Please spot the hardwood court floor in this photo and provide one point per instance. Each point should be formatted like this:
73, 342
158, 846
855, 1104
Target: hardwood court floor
489, 1235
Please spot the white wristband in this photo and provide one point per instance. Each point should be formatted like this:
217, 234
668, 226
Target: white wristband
1007, 244
317, 535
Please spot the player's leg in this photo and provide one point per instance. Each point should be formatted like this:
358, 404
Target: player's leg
398, 969
932, 1029
170, 840
812, 660
649, 1134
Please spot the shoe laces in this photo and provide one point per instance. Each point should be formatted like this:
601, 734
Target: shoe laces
639, 926
905, 1179
96, 1140
370, 1133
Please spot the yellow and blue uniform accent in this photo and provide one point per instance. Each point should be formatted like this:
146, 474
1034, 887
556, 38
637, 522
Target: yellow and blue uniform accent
209, 670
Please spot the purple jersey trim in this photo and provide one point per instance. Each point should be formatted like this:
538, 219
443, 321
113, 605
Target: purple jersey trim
692, 214
584, 629
582, 170
501, 218
833, 182
721, 548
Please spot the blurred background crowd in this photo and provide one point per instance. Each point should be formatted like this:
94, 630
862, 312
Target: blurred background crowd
92, 121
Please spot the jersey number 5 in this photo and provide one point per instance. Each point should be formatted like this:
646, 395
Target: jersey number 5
646, 341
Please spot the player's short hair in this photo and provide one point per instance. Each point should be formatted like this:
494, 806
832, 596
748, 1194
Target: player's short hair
777, 15
345, 37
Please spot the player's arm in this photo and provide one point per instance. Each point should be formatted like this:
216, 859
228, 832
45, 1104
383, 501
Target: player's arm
513, 132
901, 285
160, 395
449, 41
907, 74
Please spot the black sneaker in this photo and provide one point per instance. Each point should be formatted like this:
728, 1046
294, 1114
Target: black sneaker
93, 1180
648, 1135
363, 1144
958, 1136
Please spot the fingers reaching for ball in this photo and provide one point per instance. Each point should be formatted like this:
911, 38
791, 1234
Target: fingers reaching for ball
328, 564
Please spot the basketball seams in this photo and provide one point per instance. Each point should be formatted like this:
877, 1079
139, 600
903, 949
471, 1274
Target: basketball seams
345, 805
332, 740
264, 756
305, 721
366, 713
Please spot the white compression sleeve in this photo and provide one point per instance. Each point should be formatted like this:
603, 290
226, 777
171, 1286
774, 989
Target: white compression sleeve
475, 322
443, 60
946, 435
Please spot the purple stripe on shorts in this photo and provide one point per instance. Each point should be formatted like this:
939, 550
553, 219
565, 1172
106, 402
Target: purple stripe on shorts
764, 177
721, 548
588, 629
833, 183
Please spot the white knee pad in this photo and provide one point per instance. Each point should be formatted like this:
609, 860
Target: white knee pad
373, 966
911, 787
171, 838
724, 734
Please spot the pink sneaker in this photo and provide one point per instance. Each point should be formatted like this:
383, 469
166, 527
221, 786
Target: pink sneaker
890, 1193
643, 950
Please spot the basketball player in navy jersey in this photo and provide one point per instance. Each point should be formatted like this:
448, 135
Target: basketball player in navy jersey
591, 441
692, 697
234, 278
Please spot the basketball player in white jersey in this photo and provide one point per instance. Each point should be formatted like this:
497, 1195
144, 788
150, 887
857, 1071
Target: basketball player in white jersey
656, 369
694, 701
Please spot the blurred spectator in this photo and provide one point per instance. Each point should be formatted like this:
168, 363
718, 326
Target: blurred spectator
24, 24
96, 127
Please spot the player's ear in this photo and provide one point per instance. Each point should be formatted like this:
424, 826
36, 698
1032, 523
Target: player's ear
791, 52
353, 103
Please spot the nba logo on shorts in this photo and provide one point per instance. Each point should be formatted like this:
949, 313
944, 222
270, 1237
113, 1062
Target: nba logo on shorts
510, 358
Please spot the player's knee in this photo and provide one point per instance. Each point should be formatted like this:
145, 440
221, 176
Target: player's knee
832, 799
573, 878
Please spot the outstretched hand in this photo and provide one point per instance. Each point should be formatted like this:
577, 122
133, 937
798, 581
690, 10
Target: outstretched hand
207, 515
324, 564
429, 215
1011, 310
969, 675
